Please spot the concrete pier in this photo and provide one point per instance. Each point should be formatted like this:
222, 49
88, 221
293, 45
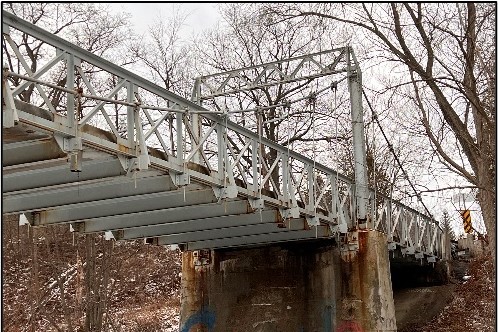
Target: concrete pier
367, 298
303, 287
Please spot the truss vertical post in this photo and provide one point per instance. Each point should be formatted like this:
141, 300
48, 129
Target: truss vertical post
417, 231
179, 138
285, 178
389, 225
130, 117
255, 165
195, 119
311, 190
71, 114
361, 181
141, 146
75, 148
334, 191
220, 131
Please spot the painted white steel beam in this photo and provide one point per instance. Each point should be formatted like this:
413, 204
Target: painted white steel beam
35, 177
166, 216
124, 205
267, 216
85, 191
30, 151
222, 233
261, 239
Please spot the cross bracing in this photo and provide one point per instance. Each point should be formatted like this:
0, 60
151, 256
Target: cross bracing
306, 67
128, 159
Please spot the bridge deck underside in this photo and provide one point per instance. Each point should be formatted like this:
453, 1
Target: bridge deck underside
38, 182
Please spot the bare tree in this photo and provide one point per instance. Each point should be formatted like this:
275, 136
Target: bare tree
448, 53
166, 56
96, 29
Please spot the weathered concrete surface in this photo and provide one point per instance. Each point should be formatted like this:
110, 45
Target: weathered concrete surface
299, 287
266, 289
366, 298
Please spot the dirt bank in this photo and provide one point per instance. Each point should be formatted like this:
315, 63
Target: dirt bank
459, 307
415, 306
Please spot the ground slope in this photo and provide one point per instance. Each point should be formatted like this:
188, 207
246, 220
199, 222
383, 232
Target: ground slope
472, 306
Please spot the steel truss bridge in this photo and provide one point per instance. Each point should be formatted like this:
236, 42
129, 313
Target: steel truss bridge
121, 155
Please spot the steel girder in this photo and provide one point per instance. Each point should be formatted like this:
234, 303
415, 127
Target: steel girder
123, 205
319, 232
161, 216
227, 232
232, 220
30, 151
85, 191
44, 176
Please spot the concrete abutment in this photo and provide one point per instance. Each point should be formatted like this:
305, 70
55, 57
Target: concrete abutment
302, 287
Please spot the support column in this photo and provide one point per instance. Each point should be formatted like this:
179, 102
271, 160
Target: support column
367, 298
360, 168
196, 312
293, 288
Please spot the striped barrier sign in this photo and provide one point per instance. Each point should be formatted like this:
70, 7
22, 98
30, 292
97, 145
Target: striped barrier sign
467, 221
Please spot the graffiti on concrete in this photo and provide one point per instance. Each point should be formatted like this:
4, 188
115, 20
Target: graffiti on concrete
349, 326
203, 317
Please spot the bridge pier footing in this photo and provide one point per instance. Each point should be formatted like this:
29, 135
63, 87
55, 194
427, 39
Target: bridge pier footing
302, 287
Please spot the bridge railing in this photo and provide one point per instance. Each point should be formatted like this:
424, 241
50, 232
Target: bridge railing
152, 127
413, 231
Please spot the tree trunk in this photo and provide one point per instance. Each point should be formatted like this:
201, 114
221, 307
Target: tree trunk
90, 283
105, 270
65, 308
34, 278
487, 201
79, 286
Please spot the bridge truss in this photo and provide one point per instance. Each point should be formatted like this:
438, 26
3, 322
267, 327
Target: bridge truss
90, 144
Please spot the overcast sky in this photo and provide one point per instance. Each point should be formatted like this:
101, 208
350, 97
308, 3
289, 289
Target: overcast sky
200, 15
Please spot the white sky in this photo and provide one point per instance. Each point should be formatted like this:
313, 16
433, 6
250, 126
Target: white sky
200, 16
